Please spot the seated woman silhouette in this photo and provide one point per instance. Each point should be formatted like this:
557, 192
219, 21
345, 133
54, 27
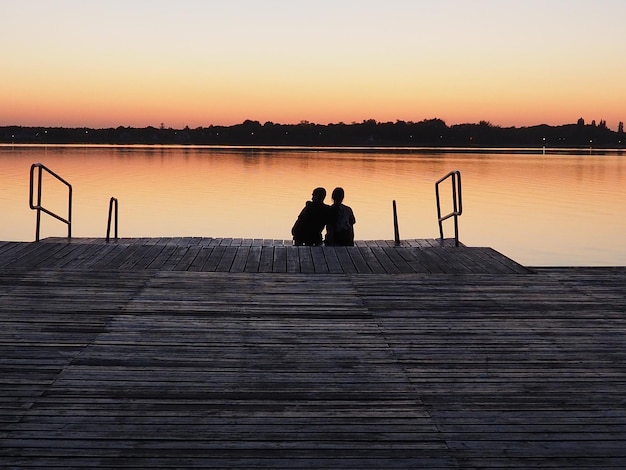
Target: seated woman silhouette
340, 228
312, 219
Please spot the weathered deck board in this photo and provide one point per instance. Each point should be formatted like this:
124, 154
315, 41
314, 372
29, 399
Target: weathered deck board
154, 367
530, 357
160, 368
263, 256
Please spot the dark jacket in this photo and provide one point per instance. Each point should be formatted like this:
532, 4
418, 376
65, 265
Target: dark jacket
312, 219
340, 228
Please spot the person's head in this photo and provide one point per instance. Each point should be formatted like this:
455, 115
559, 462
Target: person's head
338, 195
319, 194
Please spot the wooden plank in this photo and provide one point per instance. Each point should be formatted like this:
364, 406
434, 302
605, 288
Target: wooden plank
267, 258
214, 258
384, 260
227, 259
417, 265
12, 252
87, 253
176, 256
279, 263
346, 263
433, 262
392, 252
161, 259
193, 241
103, 253
372, 261
453, 256
241, 256
148, 255
293, 259
506, 262
319, 260
134, 255
471, 259
201, 258
60, 256
332, 260
253, 260
306, 259
415, 243
188, 258
118, 255
32, 255
358, 260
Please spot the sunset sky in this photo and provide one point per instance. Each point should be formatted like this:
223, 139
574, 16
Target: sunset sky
201, 62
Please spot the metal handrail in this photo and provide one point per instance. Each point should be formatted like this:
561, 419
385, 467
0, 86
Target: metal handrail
112, 203
39, 208
457, 203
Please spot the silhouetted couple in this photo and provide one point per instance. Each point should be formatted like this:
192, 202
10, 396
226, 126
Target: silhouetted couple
338, 219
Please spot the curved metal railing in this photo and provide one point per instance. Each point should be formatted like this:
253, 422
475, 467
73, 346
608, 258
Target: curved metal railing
457, 203
39, 208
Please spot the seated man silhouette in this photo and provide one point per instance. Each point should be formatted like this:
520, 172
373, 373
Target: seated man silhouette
312, 219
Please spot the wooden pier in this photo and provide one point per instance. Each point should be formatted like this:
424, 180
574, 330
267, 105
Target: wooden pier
254, 256
215, 353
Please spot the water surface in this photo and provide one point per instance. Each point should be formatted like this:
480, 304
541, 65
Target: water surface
541, 210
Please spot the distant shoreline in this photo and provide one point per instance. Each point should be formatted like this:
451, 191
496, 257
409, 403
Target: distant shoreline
428, 134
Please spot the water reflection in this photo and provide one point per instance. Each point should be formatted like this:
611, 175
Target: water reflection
540, 210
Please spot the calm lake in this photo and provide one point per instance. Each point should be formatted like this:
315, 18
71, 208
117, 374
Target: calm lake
541, 210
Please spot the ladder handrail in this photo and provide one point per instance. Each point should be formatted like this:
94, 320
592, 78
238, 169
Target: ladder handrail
457, 202
39, 208
112, 203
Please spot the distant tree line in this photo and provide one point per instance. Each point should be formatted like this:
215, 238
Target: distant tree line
426, 133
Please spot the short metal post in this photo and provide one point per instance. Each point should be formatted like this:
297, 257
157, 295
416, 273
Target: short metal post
396, 231
112, 203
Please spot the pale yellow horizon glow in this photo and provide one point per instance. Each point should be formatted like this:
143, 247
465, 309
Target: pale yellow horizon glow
196, 63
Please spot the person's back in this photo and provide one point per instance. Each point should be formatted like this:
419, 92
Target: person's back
340, 229
312, 219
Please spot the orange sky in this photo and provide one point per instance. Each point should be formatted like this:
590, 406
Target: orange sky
196, 63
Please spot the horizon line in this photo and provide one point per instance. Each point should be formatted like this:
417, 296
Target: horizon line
306, 122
